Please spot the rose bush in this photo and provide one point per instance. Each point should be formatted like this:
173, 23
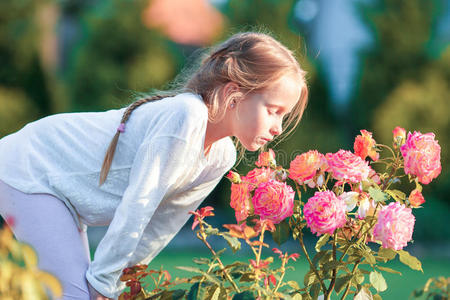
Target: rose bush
361, 218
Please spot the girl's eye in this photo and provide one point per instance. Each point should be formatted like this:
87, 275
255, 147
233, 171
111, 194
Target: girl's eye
273, 111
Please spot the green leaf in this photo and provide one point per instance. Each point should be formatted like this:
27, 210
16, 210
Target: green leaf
206, 290
417, 293
232, 241
293, 284
282, 232
377, 281
410, 260
377, 195
212, 278
296, 297
214, 293
387, 253
353, 258
309, 278
389, 270
326, 258
197, 270
219, 253
322, 241
359, 278
211, 231
170, 295
314, 291
306, 296
363, 271
318, 256
333, 265
341, 282
397, 195
190, 269
201, 260
369, 257
193, 292
247, 277
247, 295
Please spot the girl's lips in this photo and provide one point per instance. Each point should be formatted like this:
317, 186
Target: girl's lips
264, 140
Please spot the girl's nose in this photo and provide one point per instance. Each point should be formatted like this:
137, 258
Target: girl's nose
276, 129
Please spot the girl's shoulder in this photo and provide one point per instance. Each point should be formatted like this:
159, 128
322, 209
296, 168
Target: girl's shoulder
180, 107
190, 103
184, 116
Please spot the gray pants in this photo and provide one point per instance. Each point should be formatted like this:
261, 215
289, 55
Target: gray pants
44, 222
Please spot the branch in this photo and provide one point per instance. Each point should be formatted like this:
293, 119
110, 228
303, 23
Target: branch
310, 262
347, 288
333, 278
202, 237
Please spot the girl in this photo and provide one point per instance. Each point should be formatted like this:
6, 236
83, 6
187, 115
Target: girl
170, 155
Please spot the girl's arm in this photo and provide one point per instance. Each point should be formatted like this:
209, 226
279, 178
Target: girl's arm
169, 218
158, 166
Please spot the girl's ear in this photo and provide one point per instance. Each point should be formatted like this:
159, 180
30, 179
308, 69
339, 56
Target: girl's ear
229, 89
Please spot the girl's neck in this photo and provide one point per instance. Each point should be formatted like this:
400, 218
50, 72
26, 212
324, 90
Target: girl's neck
215, 132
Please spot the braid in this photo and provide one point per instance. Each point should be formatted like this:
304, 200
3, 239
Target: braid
107, 161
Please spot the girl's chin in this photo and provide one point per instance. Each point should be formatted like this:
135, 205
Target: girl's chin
253, 146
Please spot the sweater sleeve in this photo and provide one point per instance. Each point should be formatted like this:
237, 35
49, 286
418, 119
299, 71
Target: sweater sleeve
168, 219
173, 212
157, 167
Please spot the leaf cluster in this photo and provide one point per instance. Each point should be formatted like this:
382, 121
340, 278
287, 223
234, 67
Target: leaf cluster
20, 277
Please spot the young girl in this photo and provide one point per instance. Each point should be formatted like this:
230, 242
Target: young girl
165, 158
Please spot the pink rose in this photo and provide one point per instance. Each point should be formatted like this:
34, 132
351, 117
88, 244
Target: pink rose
324, 212
273, 200
422, 156
365, 146
265, 159
240, 200
257, 176
305, 166
344, 165
416, 198
395, 226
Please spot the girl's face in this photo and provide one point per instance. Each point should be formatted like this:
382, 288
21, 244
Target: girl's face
258, 117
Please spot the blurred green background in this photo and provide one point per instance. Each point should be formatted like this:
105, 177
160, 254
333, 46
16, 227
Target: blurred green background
372, 64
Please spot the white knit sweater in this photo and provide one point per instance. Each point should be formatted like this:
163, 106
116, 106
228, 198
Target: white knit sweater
158, 174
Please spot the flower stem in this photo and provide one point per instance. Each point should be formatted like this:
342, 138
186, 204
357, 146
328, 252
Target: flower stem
363, 235
261, 239
322, 284
202, 237
333, 278
387, 147
385, 183
283, 271
347, 288
258, 256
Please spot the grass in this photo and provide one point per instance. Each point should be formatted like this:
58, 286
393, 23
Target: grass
399, 286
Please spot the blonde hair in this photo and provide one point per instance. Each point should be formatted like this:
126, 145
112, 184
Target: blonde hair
251, 60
